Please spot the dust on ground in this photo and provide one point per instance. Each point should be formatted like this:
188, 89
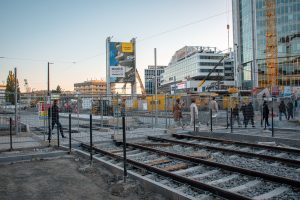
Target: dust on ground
69, 177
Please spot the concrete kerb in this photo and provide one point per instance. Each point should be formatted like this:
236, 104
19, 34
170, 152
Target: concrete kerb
32, 156
146, 182
249, 138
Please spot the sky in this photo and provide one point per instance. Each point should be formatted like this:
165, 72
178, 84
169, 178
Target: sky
71, 34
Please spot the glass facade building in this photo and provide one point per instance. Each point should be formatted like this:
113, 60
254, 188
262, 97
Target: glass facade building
149, 75
250, 39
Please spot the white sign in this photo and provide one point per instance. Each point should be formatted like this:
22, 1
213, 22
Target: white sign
117, 71
181, 85
86, 103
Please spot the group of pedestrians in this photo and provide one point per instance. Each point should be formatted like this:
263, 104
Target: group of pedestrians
194, 114
248, 114
286, 108
246, 109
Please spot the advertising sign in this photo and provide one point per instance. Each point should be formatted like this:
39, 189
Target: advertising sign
121, 62
117, 71
43, 111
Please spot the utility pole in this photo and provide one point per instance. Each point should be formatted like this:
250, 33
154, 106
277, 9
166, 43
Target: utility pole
49, 101
16, 102
155, 87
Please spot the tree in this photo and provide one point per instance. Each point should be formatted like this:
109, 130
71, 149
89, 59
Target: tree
58, 89
10, 88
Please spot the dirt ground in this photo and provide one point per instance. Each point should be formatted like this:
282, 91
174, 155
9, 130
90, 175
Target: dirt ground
70, 177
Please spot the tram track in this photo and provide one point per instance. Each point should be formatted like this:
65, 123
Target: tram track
226, 181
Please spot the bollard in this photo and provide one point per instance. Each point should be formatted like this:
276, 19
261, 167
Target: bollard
10, 133
272, 123
70, 145
166, 111
194, 117
49, 127
124, 145
210, 112
227, 124
57, 135
91, 139
231, 124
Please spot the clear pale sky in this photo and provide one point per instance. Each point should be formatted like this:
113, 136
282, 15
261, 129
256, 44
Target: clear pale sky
34, 32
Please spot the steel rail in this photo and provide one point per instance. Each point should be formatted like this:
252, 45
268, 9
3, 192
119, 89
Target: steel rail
289, 150
274, 178
248, 154
197, 184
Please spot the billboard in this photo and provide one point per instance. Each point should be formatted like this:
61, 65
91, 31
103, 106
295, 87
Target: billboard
121, 62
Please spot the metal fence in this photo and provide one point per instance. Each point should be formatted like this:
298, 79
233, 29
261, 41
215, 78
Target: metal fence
31, 118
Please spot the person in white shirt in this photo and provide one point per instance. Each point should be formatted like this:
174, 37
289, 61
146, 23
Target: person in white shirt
193, 109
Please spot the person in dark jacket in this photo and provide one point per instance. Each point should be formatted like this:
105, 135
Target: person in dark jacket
244, 111
55, 118
250, 114
290, 108
282, 109
266, 114
236, 115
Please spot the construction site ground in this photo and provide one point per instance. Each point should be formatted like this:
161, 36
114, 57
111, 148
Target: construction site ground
65, 177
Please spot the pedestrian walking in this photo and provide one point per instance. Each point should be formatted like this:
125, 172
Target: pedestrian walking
244, 111
55, 119
236, 115
249, 114
266, 114
193, 112
214, 108
177, 113
290, 107
282, 110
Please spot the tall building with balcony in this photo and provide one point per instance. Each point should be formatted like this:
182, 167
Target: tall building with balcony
2, 93
149, 75
191, 64
252, 25
92, 87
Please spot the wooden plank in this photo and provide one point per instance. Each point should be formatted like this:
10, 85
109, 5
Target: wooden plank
203, 155
155, 144
157, 162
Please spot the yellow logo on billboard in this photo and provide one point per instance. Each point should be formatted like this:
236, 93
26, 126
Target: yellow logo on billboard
127, 47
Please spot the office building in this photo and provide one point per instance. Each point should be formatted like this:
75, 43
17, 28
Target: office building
267, 42
191, 64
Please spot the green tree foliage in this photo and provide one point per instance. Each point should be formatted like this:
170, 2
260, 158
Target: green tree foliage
10, 88
58, 89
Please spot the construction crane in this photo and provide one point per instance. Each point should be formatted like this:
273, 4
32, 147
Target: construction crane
140, 82
271, 45
211, 71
